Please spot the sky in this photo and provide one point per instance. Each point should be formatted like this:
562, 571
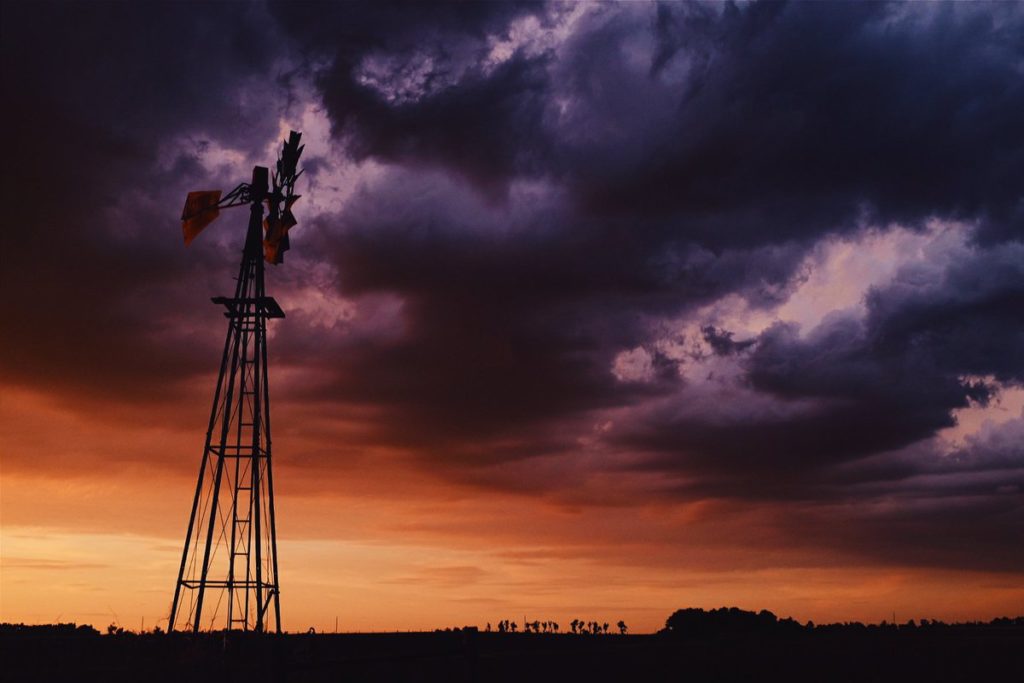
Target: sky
594, 310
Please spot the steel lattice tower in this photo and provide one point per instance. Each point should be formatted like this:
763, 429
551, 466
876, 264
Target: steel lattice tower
228, 576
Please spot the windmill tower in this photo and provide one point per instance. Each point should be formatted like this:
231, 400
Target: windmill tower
228, 575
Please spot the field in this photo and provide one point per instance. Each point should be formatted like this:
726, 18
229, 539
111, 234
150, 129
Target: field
950, 653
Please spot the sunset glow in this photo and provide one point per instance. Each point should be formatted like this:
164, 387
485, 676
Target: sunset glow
593, 311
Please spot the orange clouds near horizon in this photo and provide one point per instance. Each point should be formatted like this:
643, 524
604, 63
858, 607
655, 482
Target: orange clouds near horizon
92, 535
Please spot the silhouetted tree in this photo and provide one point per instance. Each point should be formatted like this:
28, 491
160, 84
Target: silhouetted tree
604, 627
698, 623
622, 627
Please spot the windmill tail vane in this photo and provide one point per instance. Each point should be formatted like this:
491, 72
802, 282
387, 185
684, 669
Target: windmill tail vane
203, 207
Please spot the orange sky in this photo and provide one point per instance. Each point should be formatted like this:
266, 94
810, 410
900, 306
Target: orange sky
94, 509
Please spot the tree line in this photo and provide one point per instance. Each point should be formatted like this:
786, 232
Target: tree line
698, 623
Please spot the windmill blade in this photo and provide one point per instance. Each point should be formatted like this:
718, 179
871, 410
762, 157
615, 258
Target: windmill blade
273, 252
201, 209
275, 242
288, 162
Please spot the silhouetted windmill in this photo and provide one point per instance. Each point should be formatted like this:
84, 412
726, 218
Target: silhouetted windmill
230, 556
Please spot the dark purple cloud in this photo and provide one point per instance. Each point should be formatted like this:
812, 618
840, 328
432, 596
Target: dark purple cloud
873, 382
806, 117
541, 189
409, 82
114, 103
718, 121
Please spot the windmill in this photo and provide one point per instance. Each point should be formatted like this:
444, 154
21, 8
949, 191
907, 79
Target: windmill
228, 575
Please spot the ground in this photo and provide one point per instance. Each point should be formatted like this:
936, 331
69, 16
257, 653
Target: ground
949, 654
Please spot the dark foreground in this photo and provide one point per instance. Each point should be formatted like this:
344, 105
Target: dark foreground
977, 653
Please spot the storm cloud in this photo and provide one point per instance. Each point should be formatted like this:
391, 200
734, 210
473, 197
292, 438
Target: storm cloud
571, 235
